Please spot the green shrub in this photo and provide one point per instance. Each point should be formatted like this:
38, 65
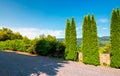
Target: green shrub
102, 50
60, 48
47, 46
15, 45
43, 47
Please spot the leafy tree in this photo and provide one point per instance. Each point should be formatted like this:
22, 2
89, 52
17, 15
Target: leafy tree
5, 34
16, 35
90, 41
115, 38
8, 34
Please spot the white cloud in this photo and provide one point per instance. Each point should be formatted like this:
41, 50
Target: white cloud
79, 31
79, 28
104, 28
103, 20
35, 32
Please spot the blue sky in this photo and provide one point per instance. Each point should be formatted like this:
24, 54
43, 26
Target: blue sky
35, 17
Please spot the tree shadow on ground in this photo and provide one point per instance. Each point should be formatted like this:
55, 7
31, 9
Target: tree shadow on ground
14, 64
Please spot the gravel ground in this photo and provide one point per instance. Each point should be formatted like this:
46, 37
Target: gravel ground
13, 64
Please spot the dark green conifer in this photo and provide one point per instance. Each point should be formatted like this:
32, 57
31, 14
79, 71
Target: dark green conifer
70, 41
115, 38
90, 41
73, 41
67, 38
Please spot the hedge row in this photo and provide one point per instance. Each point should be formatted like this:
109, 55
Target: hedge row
46, 46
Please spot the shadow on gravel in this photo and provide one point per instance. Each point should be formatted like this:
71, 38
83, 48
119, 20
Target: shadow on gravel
47, 66
13, 64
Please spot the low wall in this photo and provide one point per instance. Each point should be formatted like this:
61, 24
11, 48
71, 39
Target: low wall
105, 59
80, 56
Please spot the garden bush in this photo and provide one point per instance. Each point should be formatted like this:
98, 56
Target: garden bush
47, 46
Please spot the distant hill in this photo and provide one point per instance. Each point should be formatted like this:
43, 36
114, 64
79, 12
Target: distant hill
102, 40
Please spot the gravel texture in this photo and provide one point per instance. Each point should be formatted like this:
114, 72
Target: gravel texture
13, 64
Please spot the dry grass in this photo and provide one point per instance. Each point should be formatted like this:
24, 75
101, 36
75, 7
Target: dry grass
23, 53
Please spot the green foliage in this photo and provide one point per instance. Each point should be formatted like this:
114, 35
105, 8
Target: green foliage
105, 49
7, 34
90, 41
31, 48
102, 50
67, 38
72, 55
15, 45
71, 41
47, 46
115, 38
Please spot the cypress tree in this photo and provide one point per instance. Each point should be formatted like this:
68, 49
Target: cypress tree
90, 41
67, 38
85, 44
94, 43
72, 53
73, 41
115, 38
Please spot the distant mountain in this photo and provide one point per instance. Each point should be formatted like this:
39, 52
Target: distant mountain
102, 40
106, 38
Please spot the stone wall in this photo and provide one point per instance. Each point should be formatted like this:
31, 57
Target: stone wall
80, 56
105, 59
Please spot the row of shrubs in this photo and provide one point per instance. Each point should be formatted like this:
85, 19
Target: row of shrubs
16, 45
46, 46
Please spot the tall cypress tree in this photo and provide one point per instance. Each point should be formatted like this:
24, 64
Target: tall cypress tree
90, 41
67, 38
85, 44
115, 38
72, 53
94, 43
73, 41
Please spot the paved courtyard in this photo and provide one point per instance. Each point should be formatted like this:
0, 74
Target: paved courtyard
13, 64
